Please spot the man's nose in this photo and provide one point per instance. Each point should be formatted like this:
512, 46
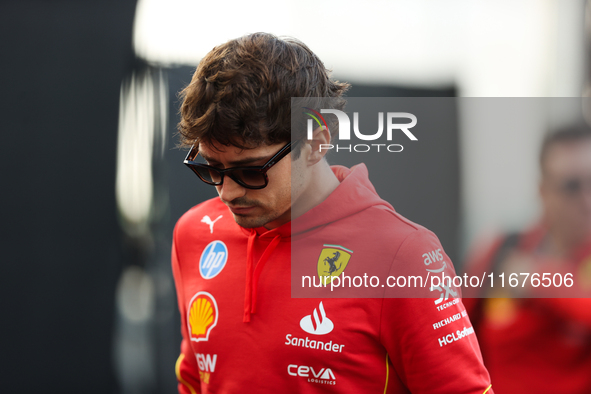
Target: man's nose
230, 190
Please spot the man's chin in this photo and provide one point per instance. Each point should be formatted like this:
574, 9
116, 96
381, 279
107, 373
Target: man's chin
249, 221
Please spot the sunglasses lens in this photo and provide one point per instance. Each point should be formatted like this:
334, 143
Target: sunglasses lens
250, 177
207, 175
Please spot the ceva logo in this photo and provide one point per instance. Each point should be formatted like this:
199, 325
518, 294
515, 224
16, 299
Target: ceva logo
345, 129
317, 324
323, 376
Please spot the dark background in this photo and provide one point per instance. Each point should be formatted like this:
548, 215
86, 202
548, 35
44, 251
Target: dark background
62, 66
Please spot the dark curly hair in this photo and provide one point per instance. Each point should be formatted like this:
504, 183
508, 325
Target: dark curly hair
241, 92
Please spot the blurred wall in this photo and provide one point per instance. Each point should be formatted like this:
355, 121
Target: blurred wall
62, 65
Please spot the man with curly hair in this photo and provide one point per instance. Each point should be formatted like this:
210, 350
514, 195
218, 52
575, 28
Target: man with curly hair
232, 255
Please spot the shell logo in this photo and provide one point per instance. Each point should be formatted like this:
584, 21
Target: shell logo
202, 316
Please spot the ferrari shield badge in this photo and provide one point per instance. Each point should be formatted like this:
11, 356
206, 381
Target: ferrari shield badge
332, 262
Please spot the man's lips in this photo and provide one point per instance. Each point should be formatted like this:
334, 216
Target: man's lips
241, 210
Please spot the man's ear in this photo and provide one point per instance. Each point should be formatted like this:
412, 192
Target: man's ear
318, 145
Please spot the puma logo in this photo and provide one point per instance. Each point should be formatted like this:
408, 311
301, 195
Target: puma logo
207, 220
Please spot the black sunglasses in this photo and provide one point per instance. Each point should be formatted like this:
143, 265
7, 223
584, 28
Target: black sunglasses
254, 177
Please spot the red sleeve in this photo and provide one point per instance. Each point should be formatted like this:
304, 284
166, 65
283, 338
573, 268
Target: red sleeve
430, 340
187, 371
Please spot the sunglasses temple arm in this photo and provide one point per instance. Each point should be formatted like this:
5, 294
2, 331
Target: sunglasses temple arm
192, 154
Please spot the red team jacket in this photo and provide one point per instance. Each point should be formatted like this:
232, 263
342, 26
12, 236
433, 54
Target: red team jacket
244, 333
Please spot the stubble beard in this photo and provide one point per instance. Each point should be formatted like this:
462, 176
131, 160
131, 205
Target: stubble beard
256, 219
261, 215
249, 221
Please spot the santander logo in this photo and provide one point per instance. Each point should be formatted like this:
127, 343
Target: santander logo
317, 324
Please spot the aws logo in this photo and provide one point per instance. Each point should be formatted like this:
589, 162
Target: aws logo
434, 256
202, 316
430, 257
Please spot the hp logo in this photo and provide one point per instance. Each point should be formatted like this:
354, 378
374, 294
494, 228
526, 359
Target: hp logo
213, 259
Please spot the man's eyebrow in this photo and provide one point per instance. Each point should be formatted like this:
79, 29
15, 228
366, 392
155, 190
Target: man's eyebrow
237, 163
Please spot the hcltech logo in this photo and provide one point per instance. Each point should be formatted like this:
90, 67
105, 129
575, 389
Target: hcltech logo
345, 130
213, 259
